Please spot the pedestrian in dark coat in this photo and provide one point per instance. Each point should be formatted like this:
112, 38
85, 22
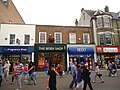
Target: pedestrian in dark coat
86, 77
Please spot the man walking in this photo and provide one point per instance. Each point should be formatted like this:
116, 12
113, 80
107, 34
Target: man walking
19, 71
74, 75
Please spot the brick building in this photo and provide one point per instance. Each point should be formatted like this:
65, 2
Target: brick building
106, 33
62, 44
9, 13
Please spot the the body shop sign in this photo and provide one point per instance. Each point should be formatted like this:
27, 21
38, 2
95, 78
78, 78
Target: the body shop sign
51, 48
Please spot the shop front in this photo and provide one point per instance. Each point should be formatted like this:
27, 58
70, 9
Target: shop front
52, 53
107, 53
80, 53
16, 53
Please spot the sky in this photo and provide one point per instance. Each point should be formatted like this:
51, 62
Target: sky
60, 12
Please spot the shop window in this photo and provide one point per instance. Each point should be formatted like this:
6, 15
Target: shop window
72, 37
99, 22
12, 39
101, 39
86, 38
58, 37
26, 39
108, 39
42, 37
106, 22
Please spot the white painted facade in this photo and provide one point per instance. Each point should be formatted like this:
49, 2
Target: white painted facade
15, 51
84, 19
19, 31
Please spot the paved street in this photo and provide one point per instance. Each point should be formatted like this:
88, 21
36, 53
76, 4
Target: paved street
111, 83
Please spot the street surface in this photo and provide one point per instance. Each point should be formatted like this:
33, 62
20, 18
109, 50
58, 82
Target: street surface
111, 83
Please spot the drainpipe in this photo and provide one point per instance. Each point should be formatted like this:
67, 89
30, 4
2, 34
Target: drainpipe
118, 31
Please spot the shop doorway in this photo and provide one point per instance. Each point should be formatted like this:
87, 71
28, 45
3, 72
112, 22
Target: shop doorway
52, 58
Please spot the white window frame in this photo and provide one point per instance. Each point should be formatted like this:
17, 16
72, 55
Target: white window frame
106, 21
99, 22
72, 37
44, 41
29, 39
110, 38
101, 39
14, 40
88, 38
55, 41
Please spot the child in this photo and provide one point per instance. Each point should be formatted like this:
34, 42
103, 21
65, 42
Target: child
25, 72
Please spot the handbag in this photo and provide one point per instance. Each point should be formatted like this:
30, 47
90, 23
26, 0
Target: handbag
99, 74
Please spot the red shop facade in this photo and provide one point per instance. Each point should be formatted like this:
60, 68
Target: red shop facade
108, 53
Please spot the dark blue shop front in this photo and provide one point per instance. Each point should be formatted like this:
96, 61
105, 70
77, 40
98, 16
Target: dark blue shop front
15, 53
76, 54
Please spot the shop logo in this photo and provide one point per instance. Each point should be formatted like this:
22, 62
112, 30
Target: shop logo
110, 49
81, 49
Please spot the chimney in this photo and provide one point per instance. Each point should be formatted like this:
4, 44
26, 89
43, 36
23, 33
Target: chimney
76, 22
82, 9
106, 8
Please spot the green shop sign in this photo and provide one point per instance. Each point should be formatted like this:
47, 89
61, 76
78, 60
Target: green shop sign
52, 48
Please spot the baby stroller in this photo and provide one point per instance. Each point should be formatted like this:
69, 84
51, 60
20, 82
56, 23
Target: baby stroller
114, 72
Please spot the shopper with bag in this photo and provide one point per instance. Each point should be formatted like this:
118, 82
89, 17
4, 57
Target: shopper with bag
98, 74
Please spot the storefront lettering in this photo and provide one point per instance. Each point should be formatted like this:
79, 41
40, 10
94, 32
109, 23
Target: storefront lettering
17, 49
81, 49
51, 48
110, 50
58, 48
41, 48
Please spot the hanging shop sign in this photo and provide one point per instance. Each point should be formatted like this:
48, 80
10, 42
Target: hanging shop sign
80, 50
107, 49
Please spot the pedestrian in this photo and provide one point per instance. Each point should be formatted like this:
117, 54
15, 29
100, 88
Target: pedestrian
51, 79
11, 67
33, 74
74, 75
25, 72
110, 68
19, 72
29, 66
14, 72
61, 69
1, 72
79, 79
86, 77
46, 67
58, 68
114, 69
6, 70
98, 74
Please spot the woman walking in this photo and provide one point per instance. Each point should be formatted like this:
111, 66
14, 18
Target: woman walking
51, 79
98, 74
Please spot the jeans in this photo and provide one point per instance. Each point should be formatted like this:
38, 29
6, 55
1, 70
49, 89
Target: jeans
33, 78
73, 81
18, 79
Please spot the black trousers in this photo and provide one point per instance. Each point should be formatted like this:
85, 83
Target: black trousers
87, 83
0, 79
